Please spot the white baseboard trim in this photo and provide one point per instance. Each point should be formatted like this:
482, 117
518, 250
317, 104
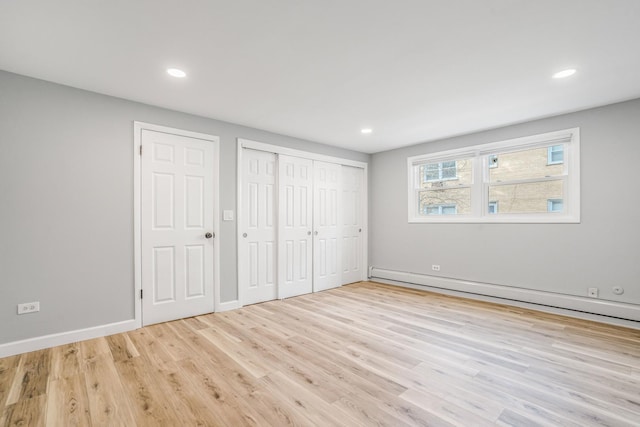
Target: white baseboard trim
228, 305
612, 312
46, 341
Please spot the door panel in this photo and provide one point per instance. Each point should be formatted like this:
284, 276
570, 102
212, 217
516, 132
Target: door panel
177, 211
257, 263
352, 225
295, 179
327, 219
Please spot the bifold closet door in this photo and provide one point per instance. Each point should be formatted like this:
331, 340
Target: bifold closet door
295, 215
352, 224
258, 252
327, 221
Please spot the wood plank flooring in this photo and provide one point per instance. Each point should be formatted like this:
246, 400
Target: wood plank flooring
361, 355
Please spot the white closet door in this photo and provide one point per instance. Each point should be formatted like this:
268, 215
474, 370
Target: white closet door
327, 222
257, 263
352, 224
295, 269
177, 226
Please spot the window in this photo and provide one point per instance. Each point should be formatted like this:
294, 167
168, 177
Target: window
440, 209
537, 181
493, 161
440, 171
555, 155
554, 205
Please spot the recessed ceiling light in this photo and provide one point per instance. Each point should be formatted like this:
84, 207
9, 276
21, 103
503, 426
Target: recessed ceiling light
564, 73
174, 72
366, 130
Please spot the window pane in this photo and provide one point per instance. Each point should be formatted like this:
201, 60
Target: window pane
453, 173
447, 201
531, 197
526, 164
493, 207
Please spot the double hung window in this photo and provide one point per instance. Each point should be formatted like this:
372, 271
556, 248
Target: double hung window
530, 179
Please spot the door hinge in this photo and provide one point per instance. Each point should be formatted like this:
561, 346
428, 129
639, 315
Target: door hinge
140, 293
141, 150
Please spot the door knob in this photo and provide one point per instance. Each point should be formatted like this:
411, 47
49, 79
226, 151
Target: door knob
244, 234
316, 233
359, 230
209, 235
308, 233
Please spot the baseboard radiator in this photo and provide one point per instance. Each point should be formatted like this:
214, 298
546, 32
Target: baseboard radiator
511, 295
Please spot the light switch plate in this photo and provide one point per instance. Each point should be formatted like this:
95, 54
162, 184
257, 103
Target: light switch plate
227, 215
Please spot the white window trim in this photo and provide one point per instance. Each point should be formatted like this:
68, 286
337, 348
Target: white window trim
479, 155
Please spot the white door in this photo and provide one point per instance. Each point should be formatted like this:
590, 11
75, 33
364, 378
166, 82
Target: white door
352, 224
257, 263
295, 183
327, 224
177, 248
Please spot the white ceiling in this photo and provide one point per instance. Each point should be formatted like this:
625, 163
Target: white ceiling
321, 70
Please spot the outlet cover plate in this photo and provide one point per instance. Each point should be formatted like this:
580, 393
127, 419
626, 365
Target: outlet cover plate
29, 307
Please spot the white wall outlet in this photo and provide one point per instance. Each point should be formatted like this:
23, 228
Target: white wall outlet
435, 267
618, 290
227, 215
593, 292
29, 307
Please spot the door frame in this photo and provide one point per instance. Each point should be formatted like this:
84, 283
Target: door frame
138, 127
277, 149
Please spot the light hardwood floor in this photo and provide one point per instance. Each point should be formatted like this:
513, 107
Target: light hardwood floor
363, 354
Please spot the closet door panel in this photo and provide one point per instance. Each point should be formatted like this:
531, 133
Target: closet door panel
295, 212
258, 255
327, 221
352, 224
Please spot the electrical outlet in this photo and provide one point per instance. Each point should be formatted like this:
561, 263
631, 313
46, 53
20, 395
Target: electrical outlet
435, 267
29, 307
593, 292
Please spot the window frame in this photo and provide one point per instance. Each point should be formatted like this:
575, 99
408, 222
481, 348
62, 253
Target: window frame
479, 156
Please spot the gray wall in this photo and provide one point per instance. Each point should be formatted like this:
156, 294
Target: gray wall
66, 202
602, 251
